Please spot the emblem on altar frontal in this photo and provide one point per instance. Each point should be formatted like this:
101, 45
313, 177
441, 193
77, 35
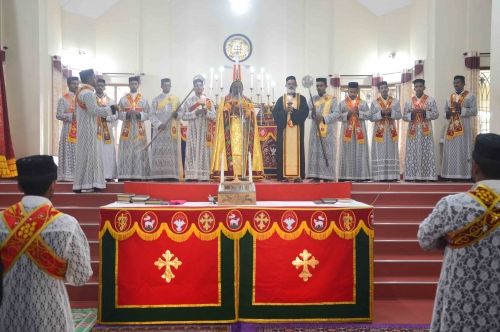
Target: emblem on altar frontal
234, 220
123, 221
305, 261
149, 222
289, 221
167, 261
179, 222
318, 221
347, 221
206, 221
261, 221
237, 47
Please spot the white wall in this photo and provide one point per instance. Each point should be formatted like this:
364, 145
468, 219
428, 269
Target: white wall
181, 38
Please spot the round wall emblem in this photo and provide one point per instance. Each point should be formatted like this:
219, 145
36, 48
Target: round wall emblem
237, 47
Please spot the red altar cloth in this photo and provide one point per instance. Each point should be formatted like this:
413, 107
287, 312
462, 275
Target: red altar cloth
266, 191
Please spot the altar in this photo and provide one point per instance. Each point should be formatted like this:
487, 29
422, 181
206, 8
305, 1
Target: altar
202, 263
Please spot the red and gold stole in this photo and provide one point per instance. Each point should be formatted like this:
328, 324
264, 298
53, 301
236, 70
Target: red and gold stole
141, 130
353, 126
24, 238
482, 225
291, 140
71, 100
381, 124
455, 126
164, 102
102, 124
419, 119
211, 125
326, 103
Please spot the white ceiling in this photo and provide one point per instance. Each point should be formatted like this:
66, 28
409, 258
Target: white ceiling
88, 8
95, 8
383, 7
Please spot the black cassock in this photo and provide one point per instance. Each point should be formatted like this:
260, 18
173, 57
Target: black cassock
298, 117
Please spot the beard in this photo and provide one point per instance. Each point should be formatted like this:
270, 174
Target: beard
290, 90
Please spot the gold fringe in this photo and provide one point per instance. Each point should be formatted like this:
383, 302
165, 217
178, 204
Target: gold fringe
236, 235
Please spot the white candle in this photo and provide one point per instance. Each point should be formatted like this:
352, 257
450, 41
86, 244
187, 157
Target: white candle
211, 78
221, 69
250, 176
268, 84
251, 81
221, 168
262, 81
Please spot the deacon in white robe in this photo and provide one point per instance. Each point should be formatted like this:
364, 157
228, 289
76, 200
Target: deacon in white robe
105, 132
66, 112
354, 158
460, 111
165, 119
384, 111
419, 112
326, 116
466, 226
89, 174
133, 158
198, 110
33, 299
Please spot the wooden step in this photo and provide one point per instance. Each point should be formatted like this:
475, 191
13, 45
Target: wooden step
409, 186
405, 290
408, 213
61, 187
404, 247
399, 198
398, 269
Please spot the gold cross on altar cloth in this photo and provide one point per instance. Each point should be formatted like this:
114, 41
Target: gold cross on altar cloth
206, 221
262, 220
167, 262
305, 262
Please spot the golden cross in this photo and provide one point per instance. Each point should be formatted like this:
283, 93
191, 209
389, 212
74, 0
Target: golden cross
261, 220
305, 262
206, 221
167, 262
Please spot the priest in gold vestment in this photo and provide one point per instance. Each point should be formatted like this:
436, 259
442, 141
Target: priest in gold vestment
237, 136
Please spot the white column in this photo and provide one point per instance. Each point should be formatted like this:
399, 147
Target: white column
495, 68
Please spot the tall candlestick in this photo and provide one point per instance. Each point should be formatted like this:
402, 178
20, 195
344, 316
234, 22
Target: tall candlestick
262, 77
250, 175
221, 168
251, 81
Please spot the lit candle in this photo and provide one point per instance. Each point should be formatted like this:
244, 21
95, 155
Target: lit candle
262, 79
252, 70
221, 168
221, 69
268, 83
211, 77
250, 176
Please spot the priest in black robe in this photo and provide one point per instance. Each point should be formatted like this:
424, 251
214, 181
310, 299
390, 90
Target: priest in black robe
290, 113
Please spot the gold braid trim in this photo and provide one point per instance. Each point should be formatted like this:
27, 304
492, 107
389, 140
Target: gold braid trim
483, 225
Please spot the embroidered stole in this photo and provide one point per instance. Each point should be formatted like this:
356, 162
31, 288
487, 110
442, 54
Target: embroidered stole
71, 100
419, 119
380, 125
291, 140
482, 225
141, 130
102, 124
353, 126
162, 104
210, 125
455, 127
24, 238
325, 104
